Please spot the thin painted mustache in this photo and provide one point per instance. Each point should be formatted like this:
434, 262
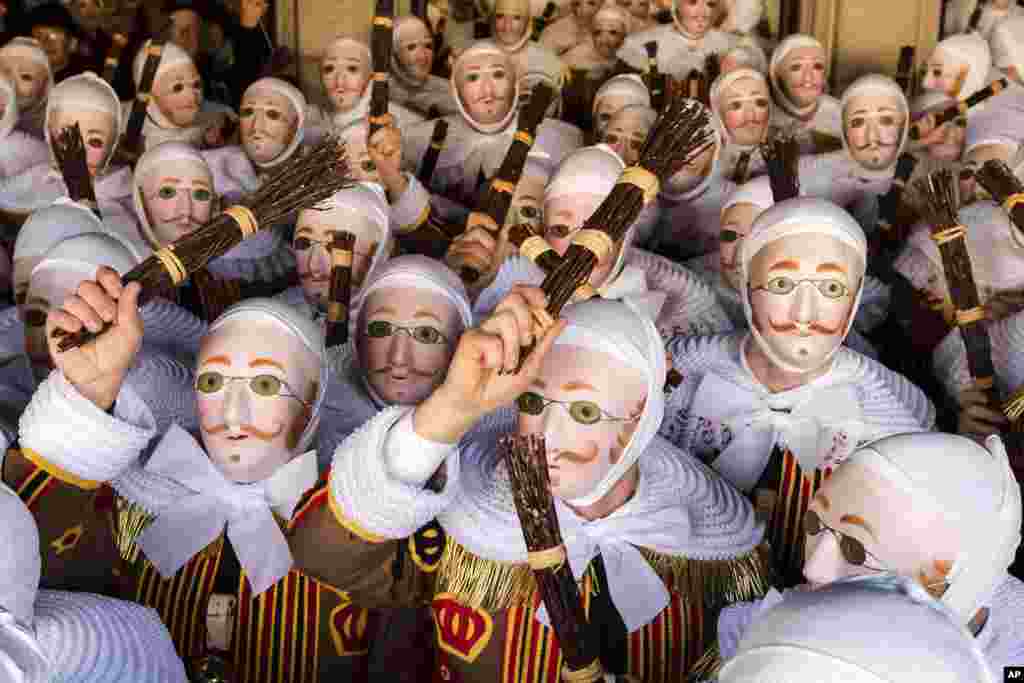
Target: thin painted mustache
878, 145
412, 371
248, 430
793, 327
572, 457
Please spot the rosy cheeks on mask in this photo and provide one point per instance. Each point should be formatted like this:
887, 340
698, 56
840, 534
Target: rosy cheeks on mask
417, 53
97, 133
345, 80
509, 27
486, 88
30, 79
179, 95
942, 76
696, 15
176, 208
803, 75
267, 124
746, 109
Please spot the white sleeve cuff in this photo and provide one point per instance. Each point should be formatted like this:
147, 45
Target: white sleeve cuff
409, 457
69, 431
368, 493
410, 210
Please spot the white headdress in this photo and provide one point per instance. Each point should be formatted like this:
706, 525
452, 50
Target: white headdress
298, 102
972, 51
485, 47
74, 260
832, 635
170, 56
800, 216
1007, 43
47, 227
89, 92
630, 86
974, 491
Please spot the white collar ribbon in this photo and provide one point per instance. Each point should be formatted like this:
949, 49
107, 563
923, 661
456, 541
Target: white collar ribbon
636, 590
807, 420
190, 523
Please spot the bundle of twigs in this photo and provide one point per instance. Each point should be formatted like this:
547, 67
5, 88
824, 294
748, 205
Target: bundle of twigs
996, 177
113, 59
905, 68
975, 18
494, 205
891, 228
960, 108
655, 80
69, 150
938, 205
300, 183
534, 247
741, 173
526, 460
380, 49
712, 68
343, 244
782, 158
679, 135
133, 131
433, 153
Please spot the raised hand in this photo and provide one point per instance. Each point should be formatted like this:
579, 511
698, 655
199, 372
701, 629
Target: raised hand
480, 378
385, 149
977, 417
98, 368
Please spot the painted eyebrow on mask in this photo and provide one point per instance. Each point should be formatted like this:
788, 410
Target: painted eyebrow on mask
831, 268
576, 385
857, 520
222, 360
425, 314
384, 309
266, 362
788, 264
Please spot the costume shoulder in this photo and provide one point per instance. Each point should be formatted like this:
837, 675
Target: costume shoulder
1004, 644
22, 151
233, 173
691, 307
165, 386
889, 401
700, 354
173, 329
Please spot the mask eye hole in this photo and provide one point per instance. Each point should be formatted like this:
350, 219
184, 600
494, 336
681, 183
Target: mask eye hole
530, 403
265, 385
210, 382
378, 328
729, 236
35, 317
585, 412
425, 334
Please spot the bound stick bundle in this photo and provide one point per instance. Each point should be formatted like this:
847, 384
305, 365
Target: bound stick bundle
541, 22
494, 205
343, 245
960, 108
526, 460
1000, 182
655, 80
534, 247
380, 49
430, 157
741, 173
905, 68
782, 158
133, 131
938, 206
300, 183
69, 150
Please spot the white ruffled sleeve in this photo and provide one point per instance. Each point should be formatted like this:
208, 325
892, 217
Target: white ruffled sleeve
70, 432
378, 474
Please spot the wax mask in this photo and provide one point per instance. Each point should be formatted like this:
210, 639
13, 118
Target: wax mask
268, 123
608, 36
564, 216
746, 107
944, 74
584, 10
56, 43
802, 291
873, 125
30, 79
511, 20
946, 143
486, 86
178, 94
528, 202
626, 133
587, 405
97, 132
185, 25
416, 50
688, 176
898, 532
405, 342
736, 222
802, 75
344, 73
178, 197
696, 16
255, 385
606, 108
313, 233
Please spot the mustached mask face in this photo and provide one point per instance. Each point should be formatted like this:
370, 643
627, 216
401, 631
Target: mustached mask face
873, 125
877, 527
178, 198
587, 405
30, 79
802, 75
609, 34
255, 386
406, 340
268, 123
745, 107
313, 234
486, 86
97, 132
345, 73
179, 93
943, 74
736, 222
802, 291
